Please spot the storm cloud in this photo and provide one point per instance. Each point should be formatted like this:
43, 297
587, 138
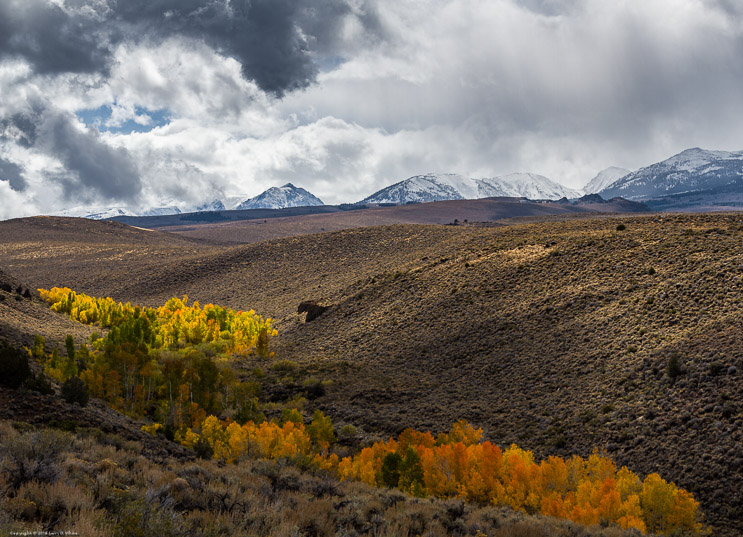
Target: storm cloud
11, 172
93, 169
152, 102
270, 38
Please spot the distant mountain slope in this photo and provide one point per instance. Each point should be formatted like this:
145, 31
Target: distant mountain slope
604, 179
441, 187
693, 170
281, 198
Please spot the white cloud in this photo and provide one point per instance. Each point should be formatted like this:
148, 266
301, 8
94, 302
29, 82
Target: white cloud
478, 87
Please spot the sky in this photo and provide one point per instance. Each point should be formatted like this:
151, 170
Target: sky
141, 103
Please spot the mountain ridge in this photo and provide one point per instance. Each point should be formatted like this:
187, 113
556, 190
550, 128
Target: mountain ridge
282, 197
692, 170
604, 179
450, 186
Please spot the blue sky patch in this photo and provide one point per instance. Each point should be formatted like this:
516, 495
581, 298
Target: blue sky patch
98, 117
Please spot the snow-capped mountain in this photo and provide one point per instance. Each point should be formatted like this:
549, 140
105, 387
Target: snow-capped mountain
104, 213
693, 170
426, 188
525, 185
604, 179
273, 198
214, 205
95, 213
281, 198
449, 186
160, 211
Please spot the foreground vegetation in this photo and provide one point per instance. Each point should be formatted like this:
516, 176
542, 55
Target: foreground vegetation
90, 483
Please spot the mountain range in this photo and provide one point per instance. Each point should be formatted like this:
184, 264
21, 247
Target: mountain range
693, 178
282, 197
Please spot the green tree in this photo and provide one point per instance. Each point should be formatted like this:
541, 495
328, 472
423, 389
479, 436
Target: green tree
293, 415
70, 367
75, 390
14, 366
390, 473
411, 473
321, 430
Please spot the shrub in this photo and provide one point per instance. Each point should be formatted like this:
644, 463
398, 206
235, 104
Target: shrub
621, 227
75, 390
34, 456
203, 449
285, 366
314, 388
674, 368
14, 366
348, 431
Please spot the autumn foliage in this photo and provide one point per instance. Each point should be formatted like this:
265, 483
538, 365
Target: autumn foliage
459, 464
170, 363
589, 491
173, 325
232, 442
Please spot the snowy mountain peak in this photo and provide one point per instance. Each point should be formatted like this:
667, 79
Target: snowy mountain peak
281, 198
214, 205
450, 186
604, 179
692, 170
426, 188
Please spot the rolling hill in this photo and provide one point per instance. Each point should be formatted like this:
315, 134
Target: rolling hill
264, 224
557, 335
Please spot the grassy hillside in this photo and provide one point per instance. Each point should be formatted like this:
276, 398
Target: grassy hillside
561, 336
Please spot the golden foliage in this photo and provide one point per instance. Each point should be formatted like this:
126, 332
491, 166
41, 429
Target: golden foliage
589, 491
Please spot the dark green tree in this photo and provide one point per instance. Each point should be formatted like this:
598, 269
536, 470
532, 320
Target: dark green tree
390, 472
14, 368
75, 390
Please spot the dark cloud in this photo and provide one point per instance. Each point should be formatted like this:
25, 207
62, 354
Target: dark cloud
11, 172
94, 169
52, 40
20, 128
272, 39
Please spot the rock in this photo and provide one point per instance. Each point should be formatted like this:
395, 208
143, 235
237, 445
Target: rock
312, 308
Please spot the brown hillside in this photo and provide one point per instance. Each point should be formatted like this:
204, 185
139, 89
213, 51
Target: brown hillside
23, 314
442, 212
554, 335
